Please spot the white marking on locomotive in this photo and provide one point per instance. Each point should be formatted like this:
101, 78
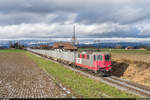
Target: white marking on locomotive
79, 60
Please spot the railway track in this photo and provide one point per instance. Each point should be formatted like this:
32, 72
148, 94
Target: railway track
114, 81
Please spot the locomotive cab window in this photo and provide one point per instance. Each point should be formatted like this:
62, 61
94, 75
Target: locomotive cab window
107, 57
88, 57
78, 55
94, 58
99, 58
83, 56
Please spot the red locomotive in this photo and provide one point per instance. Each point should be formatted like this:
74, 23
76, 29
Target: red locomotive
97, 61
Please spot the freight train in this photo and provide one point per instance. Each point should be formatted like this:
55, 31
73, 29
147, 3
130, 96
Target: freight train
98, 62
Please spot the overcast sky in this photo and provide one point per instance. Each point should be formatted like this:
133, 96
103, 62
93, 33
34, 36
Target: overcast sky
93, 18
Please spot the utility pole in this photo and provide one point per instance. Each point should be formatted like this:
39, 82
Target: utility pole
74, 43
50, 38
74, 38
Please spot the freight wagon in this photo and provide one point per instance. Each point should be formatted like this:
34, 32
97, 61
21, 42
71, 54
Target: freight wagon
95, 61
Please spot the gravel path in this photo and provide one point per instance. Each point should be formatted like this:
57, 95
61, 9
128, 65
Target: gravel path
21, 78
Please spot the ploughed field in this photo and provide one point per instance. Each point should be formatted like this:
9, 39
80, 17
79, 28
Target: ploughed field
132, 65
139, 57
20, 77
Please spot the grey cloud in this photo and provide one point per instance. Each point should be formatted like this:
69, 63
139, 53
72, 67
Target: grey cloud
83, 12
88, 11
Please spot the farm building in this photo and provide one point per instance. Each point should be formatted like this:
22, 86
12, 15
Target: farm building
45, 47
142, 49
64, 45
129, 47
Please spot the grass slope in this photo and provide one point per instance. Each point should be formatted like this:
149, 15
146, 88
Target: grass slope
80, 85
11, 50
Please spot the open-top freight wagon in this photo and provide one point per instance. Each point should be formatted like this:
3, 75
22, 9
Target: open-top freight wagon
96, 61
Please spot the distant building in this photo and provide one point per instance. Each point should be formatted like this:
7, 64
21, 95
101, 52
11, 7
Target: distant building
3, 47
45, 47
129, 47
64, 45
118, 46
142, 48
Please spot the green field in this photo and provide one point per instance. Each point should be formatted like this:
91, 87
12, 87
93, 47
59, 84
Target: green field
119, 50
11, 50
125, 51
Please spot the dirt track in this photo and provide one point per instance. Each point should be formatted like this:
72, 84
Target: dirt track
21, 78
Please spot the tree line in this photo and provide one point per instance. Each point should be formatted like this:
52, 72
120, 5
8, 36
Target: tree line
16, 45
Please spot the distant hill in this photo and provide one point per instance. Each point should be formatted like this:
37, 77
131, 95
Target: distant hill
112, 45
81, 44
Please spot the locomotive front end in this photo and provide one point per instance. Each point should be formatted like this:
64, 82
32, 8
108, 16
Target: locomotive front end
107, 62
103, 62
